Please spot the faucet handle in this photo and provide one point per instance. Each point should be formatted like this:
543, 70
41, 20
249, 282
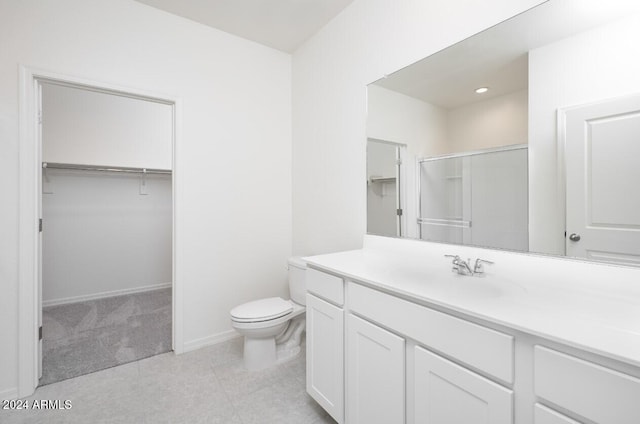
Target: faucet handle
455, 262
478, 268
456, 259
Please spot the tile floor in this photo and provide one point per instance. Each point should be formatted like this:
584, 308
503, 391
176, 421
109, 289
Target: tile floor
205, 386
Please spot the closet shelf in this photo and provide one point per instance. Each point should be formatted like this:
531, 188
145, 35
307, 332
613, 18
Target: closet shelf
78, 167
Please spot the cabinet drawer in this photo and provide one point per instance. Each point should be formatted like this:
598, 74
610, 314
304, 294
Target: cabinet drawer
485, 349
592, 391
544, 415
326, 286
448, 393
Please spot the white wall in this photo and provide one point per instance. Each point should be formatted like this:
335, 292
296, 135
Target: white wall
102, 237
236, 126
93, 128
392, 116
499, 121
429, 130
596, 65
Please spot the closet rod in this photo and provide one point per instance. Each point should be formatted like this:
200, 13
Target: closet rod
52, 165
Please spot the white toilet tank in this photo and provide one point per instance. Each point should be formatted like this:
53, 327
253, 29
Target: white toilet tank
297, 284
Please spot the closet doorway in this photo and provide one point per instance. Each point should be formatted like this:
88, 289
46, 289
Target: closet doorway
385, 187
106, 233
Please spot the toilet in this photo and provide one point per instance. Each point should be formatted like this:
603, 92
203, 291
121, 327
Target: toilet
272, 327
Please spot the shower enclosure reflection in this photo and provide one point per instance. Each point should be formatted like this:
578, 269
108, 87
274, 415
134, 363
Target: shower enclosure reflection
477, 198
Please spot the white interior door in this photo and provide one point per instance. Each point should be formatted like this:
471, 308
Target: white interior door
602, 146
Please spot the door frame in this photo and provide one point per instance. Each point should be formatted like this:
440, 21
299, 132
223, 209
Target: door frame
561, 170
29, 180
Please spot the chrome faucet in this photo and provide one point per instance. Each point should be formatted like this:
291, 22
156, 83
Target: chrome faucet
462, 267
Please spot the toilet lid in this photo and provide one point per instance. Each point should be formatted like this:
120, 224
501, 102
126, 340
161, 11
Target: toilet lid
261, 310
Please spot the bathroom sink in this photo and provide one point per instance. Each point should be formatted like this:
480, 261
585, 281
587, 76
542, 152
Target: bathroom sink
431, 281
482, 287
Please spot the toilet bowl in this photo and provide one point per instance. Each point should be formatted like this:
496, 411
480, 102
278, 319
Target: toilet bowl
272, 327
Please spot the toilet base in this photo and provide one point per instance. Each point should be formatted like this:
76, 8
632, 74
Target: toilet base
260, 353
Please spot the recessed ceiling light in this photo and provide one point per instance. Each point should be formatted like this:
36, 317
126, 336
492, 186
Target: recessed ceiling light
481, 90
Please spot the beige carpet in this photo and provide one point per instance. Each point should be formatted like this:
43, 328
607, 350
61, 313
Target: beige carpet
80, 338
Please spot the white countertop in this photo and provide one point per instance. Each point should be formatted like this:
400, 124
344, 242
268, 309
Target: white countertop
547, 297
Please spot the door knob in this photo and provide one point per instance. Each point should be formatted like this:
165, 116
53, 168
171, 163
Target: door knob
574, 237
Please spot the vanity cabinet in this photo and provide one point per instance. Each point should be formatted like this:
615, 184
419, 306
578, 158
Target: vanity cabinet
480, 348
375, 369
325, 342
439, 390
377, 356
445, 392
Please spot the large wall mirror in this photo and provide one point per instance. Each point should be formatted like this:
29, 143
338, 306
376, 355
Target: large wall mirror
523, 137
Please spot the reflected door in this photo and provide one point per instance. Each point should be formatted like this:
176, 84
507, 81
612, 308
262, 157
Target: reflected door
602, 171
384, 210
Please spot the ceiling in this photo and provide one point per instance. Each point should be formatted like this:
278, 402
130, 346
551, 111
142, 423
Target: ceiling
281, 24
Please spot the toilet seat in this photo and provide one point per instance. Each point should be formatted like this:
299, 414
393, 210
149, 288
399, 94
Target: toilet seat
261, 310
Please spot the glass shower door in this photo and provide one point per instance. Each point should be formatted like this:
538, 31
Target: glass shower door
445, 200
478, 199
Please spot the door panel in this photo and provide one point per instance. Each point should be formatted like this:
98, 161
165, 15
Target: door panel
602, 143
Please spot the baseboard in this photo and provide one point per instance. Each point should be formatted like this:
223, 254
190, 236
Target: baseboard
210, 340
94, 296
9, 394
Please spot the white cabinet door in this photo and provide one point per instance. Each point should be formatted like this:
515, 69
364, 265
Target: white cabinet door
325, 356
375, 374
446, 393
